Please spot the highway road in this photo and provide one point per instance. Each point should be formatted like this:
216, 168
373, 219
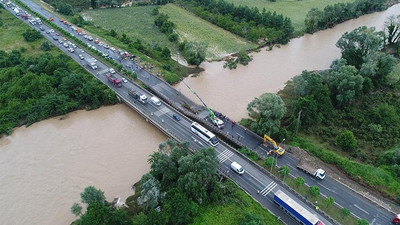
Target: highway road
254, 180
344, 197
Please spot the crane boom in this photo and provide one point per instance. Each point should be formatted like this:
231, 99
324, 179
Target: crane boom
219, 123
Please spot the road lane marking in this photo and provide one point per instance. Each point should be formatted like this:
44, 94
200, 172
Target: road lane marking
268, 188
361, 209
328, 188
223, 156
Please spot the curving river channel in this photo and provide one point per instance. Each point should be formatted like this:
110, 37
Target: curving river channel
229, 91
44, 167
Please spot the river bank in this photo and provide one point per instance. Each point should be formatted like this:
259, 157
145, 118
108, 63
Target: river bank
231, 90
45, 166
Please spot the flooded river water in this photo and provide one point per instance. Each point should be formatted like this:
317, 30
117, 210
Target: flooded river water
46, 166
229, 91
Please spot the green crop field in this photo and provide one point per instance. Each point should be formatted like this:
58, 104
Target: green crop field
138, 22
192, 28
295, 9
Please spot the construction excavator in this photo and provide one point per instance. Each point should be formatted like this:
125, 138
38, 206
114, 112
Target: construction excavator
276, 150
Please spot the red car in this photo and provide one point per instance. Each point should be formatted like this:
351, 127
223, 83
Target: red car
396, 219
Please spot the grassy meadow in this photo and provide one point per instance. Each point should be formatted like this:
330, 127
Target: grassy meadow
192, 28
138, 22
11, 35
295, 9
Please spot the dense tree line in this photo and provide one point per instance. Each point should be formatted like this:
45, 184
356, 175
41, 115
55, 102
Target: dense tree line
171, 193
352, 104
246, 22
340, 12
34, 88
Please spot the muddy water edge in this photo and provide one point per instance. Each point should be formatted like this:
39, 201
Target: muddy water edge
44, 167
229, 91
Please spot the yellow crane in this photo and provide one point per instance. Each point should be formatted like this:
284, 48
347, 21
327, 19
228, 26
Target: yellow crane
269, 142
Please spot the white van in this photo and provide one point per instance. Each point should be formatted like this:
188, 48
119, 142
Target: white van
237, 168
155, 101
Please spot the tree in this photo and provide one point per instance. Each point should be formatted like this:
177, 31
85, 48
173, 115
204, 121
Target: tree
195, 52
90, 194
251, 219
314, 190
385, 114
173, 37
345, 82
359, 43
392, 29
76, 209
377, 67
96, 213
300, 181
313, 20
150, 196
345, 212
306, 83
166, 53
113, 33
270, 162
31, 35
346, 141
310, 113
329, 201
362, 222
178, 207
284, 170
243, 58
46, 46
266, 112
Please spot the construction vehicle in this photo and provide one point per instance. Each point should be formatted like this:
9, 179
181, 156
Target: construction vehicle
309, 166
215, 120
136, 95
269, 142
114, 80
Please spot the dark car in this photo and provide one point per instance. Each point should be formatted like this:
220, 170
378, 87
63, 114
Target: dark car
177, 117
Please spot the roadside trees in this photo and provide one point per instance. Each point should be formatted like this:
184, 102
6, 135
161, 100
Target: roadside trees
345, 212
314, 191
362, 222
266, 112
329, 201
300, 181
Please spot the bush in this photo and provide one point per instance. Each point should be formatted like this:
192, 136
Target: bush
31, 35
270, 162
314, 190
250, 154
45, 46
300, 181
173, 37
346, 141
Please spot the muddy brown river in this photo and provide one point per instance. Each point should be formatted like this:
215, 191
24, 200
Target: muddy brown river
229, 91
46, 166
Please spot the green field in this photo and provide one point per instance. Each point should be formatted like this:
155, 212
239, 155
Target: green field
138, 22
11, 35
295, 9
192, 28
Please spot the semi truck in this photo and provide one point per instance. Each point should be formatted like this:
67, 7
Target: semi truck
307, 165
114, 80
91, 63
136, 95
295, 210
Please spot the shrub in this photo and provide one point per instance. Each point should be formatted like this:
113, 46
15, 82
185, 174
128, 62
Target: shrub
270, 162
300, 181
31, 35
45, 46
314, 190
346, 141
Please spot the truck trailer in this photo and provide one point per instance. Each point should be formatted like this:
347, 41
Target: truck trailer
294, 209
136, 95
305, 163
114, 80
91, 63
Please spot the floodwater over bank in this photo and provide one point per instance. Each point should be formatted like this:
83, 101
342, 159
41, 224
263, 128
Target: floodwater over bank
229, 91
46, 166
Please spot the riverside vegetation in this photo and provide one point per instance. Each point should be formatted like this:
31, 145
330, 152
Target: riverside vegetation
181, 188
38, 81
349, 114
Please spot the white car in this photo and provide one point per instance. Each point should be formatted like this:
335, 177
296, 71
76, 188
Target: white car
71, 50
81, 56
111, 70
112, 49
124, 80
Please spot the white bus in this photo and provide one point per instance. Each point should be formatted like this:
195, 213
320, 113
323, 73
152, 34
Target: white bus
205, 134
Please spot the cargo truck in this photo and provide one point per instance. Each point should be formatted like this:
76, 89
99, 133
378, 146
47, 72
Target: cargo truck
294, 209
136, 95
91, 63
114, 80
307, 165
